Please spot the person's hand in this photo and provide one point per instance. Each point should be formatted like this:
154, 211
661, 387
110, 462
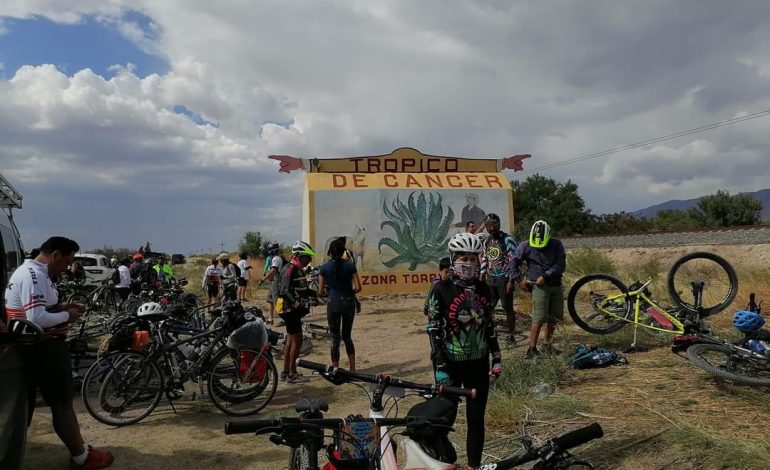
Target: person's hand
509, 287
74, 313
523, 284
497, 368
540, 281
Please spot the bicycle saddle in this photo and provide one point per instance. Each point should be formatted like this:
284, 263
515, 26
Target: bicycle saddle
311, 405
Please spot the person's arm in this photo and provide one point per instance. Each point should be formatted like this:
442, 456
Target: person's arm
205, 280
435, 329
35, 309
560, 263
356, 283
321, 285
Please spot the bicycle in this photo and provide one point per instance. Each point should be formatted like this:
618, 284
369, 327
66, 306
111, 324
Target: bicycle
602, 304
124, 387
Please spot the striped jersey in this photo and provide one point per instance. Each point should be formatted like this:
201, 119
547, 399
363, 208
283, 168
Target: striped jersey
31, 293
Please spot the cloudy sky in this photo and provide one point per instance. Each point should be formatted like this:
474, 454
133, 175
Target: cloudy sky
130, 120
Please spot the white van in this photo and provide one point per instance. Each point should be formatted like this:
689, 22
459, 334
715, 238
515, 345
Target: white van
97, 267
11, 249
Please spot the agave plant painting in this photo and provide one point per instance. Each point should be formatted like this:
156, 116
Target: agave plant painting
421, 229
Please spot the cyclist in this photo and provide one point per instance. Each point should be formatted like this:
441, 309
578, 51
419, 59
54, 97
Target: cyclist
462, 335
32, 296
292, 288
124, 286
341, 278
497, 269
272, 274
243, 280
165, 273
210, 282
546, 262
228, 276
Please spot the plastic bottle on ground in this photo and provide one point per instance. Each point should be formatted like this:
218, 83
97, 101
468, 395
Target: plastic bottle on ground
542, 390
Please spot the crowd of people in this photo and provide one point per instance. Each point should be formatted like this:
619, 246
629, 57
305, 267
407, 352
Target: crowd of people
481, 271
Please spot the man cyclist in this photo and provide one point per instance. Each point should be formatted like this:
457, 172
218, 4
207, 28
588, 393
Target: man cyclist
462, 335
164, 271
546, 261
292, 289
243, 280
229, 277
497, 269
271, 274
32, 296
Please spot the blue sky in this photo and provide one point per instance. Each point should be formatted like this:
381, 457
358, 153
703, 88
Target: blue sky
92, 43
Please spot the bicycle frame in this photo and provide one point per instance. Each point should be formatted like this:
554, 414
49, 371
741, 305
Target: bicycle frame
639, 296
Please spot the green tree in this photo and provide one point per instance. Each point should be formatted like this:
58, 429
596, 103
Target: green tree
110, 251
674, 219
254, 243
723, 210
559, 204
618, 222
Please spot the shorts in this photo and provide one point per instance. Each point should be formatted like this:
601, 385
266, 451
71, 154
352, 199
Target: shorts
48, 368
271, 293
293, 321
242, 282
547, 304
213, 289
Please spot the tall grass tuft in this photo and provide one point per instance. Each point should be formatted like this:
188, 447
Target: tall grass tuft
584, 261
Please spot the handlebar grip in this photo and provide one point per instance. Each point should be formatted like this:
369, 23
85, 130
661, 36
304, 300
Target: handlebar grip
458, 391
578, 437
312, 365
250, 426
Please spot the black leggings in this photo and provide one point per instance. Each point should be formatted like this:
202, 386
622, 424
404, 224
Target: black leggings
473, 374
499, 292
340, 314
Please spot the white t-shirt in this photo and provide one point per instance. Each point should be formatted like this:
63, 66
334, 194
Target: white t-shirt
125, 277
277, 263
30, 292
244, 265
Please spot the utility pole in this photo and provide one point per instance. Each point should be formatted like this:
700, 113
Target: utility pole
223, 247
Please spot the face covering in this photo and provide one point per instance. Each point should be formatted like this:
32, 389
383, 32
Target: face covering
466, 272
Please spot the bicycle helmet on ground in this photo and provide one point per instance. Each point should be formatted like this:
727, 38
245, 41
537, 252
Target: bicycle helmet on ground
748, 321
149, 308
302, 248
540, 234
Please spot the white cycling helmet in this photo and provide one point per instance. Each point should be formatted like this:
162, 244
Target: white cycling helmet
302, 248
465, 243
149, 308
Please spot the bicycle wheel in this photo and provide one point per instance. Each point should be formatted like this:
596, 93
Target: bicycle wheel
317, 331
719, 278
589, 308
242, 382
299, 459
79, 298
122, 388
722, 361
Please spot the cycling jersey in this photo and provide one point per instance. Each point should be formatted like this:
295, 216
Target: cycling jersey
460, 322
268, 262
292, 286
125, 277
211, 276
31, 294
497, 256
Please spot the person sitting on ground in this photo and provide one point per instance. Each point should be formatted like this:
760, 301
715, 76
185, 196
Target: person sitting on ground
546, 261
210, 283
462, 335
340, 278
228, 276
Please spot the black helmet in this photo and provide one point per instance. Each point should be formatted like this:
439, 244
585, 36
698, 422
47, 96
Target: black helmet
491, 217
243, 255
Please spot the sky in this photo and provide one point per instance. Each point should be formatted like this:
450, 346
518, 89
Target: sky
124, 121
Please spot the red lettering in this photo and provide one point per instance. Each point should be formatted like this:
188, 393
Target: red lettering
415, 278
434, 169
434, 180
408, 163
375, 280
424, 278
493, 179
406, 278
390, 181
391, 165
355, 161
392, 279
448, 166
411, 182
458, 182
374, 165
339, 181
358, 181
472, 181
434, 276
364, 280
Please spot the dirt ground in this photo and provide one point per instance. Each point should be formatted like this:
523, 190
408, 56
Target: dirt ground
657, 392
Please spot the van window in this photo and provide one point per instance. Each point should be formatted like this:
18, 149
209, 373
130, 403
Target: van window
13, 256
86, 261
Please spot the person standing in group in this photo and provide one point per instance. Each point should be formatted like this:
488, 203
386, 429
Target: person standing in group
32, 296
546, 261
243, 279
340, 278
292, 289
498, 271
228, 276
210, 282
123, 286
462, 335
272, 275
164, 271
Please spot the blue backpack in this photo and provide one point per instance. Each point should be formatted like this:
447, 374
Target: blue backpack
588, 358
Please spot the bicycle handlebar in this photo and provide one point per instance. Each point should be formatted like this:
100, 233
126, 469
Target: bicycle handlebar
262, 426
336, 374
556, 446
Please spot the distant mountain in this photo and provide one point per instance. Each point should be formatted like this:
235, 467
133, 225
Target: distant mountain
763, 195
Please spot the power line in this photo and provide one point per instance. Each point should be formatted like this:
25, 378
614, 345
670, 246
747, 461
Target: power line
656, 140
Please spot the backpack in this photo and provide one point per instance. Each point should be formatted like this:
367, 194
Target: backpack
116, 277
589, 358
237, 270
148, 275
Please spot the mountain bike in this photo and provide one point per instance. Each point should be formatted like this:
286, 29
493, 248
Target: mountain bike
603, 304
124, 387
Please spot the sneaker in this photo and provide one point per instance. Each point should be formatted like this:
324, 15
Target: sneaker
511, 341
284, 376
296, 378
96, 459
532, 353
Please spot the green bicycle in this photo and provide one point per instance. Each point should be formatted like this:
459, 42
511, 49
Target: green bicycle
602, 304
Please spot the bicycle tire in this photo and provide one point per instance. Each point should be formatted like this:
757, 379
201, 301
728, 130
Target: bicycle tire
79, 298
224, 384
299, 458
104, 372
674, 285
581, 319
317, 331
696, 352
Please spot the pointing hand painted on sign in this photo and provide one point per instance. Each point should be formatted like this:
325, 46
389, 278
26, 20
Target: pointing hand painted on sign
288, 163
515, 162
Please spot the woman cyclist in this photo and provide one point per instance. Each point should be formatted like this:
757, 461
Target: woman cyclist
341, 278
462, 335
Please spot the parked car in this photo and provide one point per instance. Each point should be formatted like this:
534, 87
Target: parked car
178, 259
11, 249
97, 267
